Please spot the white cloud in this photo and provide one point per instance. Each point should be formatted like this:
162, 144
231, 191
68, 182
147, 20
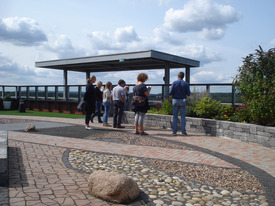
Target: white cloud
273, 42
210, 77
126, 34
201, 16
21, 31
199, 52
63, 48
162, 35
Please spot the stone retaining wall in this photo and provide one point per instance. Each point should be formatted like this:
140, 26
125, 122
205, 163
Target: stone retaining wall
262, 135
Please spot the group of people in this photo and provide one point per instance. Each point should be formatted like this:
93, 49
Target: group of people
94, 99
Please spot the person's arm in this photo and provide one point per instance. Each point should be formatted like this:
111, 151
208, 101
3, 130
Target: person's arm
123, 99
171, 90
147, 92
188, 90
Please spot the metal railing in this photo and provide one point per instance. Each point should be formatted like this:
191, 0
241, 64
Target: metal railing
74, 93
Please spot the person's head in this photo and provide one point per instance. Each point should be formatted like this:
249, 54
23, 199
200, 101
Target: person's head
142, 77
99, 84
121, 82
91, 79
180, 75
108, 85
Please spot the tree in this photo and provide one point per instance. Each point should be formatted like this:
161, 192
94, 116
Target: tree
256, 84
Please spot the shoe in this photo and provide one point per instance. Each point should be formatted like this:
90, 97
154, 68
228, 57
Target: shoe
143, 133
105, 125
121, 127
174, 134
136, 132
100, 121
92, 120
88, 128
184, 134
114, 126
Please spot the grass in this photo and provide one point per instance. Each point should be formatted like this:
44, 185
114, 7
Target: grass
41, 114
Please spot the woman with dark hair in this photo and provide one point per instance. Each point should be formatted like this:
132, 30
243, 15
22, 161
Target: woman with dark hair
89, 98
107, 99
98, 102
140, 89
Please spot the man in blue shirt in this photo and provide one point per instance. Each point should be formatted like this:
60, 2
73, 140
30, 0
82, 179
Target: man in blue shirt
179, 91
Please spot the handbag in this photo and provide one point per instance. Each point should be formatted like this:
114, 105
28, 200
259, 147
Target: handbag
139, 101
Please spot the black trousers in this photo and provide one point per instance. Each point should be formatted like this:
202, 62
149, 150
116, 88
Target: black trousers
89, 110
118, 112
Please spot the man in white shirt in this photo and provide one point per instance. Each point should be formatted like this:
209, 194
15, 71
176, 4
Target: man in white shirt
118, 95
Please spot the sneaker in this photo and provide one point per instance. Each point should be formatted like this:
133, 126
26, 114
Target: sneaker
184, 134
120, 127
88, 128
174, 134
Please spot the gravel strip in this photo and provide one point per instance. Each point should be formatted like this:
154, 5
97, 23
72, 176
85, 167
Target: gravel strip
130, 138
232, 179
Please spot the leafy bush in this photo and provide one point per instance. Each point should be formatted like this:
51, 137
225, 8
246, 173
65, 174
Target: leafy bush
226, 113
166, 108
242, 113
255, 82
207, 107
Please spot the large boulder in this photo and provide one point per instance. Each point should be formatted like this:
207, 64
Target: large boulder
113, 187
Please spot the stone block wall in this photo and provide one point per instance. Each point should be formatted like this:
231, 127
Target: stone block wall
262, 135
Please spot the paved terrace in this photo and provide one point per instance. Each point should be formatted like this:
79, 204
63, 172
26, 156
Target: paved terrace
48, 169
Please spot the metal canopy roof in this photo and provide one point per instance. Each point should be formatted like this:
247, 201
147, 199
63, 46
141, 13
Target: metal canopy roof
141, 60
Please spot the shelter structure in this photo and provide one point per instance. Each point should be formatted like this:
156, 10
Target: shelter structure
139, 60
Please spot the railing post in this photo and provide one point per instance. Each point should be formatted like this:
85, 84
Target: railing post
79, 94
56, 98
67, 97
233, 96
36, 98
46, 105
19, 92
28, 96
208, 89
4, 93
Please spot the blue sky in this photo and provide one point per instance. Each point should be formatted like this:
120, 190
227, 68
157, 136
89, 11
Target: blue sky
218, 33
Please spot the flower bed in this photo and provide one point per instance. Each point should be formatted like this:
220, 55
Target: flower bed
262, 135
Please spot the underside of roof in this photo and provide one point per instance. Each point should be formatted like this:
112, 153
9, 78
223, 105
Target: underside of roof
141, 60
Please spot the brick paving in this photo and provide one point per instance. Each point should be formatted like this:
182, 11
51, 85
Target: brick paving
47, 181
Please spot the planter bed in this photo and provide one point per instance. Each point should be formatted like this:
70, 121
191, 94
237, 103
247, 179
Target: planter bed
262, 135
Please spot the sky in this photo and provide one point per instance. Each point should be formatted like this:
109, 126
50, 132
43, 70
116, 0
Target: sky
218, 33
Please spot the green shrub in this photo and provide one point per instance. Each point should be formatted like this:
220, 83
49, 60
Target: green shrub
166, 107
226, 113
207, 107
242, 114
255, 82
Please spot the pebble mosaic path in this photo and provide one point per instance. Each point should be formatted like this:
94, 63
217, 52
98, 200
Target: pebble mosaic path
52, 170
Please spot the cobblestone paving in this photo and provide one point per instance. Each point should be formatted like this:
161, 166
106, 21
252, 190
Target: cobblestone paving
53, 170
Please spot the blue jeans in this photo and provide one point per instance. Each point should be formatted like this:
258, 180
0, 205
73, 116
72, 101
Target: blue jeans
179, 105
107, 106
98, 111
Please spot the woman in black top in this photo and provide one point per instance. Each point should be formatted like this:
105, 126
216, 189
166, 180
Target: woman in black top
89, 99
141, 90
99, 99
